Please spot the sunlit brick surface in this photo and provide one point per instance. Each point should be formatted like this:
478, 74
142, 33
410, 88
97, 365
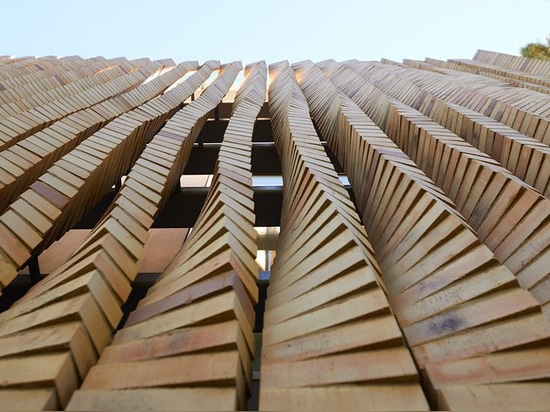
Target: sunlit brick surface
423, 285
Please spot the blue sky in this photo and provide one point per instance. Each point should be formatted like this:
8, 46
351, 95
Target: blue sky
250, 30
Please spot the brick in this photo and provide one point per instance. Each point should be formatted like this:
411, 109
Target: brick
487, 279
91, 282
503, 396
207, 288
117, 253
78, 308
28, 400
32, 215
147, 206
181, 399
314, 299
322, 260
345, 397
98, 260
131, 224
22, 229
181, 341
58, 199
533, 329
358, 306
69, 336
134, 210
476, 312
56, 371
385, 364
215, 368
59, 184
218, 308
13, 248
364, 335
219, 262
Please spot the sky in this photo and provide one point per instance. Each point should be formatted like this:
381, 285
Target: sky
249, 31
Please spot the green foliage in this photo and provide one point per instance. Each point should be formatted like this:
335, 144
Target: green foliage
537, 50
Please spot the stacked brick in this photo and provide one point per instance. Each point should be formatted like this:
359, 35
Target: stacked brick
46, 76
509, 216
457, 305
22, 163
329, 338
68, 189
523, 110
431, 291
189, 343
516, 63
524, 156
61, 326
29, 114
527, 73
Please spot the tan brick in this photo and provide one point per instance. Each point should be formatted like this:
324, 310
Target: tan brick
181, 399
28, 400
348, 397
215, 369
55, 371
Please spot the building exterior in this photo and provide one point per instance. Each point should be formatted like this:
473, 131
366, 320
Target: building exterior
331, 235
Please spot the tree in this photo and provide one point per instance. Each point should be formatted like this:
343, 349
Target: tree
537, 50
